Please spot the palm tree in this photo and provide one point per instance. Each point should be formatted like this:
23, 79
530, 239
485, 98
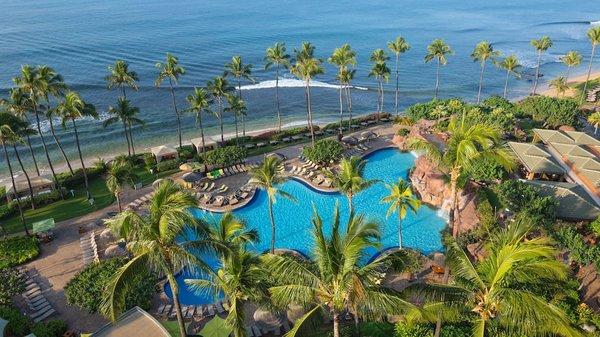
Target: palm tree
240, 71
276, 55
350, 179
594, 119
504, 288
219, 88
50, 115
541, 46
267, 177
125, 113
7, 135
342, 57
571, 59
398, 46
238, 107
120, 75
31, 83
483, 52
117, 176
401, 200
230, 233
560, 85
594, 37
346, 78
199, 101
306, 68
381, 72
467, 142
438, 50
73, 108
171, 70
153, 241
511, 65
336, 279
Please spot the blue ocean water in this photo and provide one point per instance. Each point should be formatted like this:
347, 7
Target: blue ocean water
421, 231
80, 38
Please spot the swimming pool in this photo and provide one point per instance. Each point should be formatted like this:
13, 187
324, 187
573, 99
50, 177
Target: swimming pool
421, 231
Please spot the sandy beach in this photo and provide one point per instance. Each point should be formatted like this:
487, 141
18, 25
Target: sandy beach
548, 91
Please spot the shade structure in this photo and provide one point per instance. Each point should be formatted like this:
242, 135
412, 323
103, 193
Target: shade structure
107, 235
351, 140
114, 250
267, 319
191, 177
368, 134
164, 152
294, 312
277, 155
216, 327
186, 167
43, 226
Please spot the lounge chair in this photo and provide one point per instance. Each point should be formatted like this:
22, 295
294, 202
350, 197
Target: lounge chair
256, 331
261, 144
167, 310
210, 187
223, 188
44, 315
249, 332
160, 309
327, 183
318, 180
211, 310
233, 200
249, 146
219, 200
220, 309
273, 142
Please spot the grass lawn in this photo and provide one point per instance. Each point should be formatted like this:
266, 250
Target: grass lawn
147, 178
172, 327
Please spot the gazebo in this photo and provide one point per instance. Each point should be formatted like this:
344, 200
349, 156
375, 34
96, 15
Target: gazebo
209, 143
164, 152
39, 184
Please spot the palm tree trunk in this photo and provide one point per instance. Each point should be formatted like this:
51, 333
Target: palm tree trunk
199, 118
37, 120
506, 84
85, 177
272, 218
14, 186
480, 82
220, 108
26, 175
127, 137
309, 113
437, 79
37, 170
62, 151
537, 73
399, 230
397, 82
589, 73
336, 324
341, 133
595, 128
277, 98
236, 128
118, 202
568, 74
350, 204
381, 97
131, 138
454, 196
242, 115
176, 112
356, 327
177, 305
349, 103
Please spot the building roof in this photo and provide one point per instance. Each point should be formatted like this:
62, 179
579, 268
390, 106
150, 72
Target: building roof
536, 158
163, 150
133, 323
566, 137
37, 182
573, 201
208, 141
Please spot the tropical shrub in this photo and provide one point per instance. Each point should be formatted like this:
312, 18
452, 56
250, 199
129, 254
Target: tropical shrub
495, 102
17, 250
225, 156
412, 330
85, 290
594, 226
403, 132
290, 132
18, 324
552, 112
435, 109
12, 284
324, 151
10, 209
52, 328
580, 250
167, 165
525, 199
486, 170
186, 152
498, 117
75, 180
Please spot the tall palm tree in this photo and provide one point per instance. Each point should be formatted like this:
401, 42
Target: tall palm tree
171, 70
125, 113
276, 55
571, 59
350, 179
306, 67
199, 101
593, 35
504, 288
438, 50
117, 177
346, 78
237, 106
239, 70
541, 46
401, 200
219, 88
230, 233
483, 52
73, 108
153, 241
560, 85
7, 135
381, 72
467, 143
120, 75
267, 177
336, 279
342, 57
50, 115
511, 64
594, 120
31, 83
398, 46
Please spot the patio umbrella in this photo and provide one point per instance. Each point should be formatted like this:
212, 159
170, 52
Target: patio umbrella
216, 327
368, 134
157, 182
185, 167
294, 312
107, 235
350, 140
267, 319
114, 250
191, 177
43, 226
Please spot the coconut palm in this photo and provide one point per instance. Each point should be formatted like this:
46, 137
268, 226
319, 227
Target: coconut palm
346, 78
219, 88
240, 71
276, 55
238, 107
171, 70
503, 289
267, 177
117, 177
401, 200
593, 35
336, 279
124, 112
153, 241
7, 135
73, 108
594, 119
342, 57
398, 46
571, 59
560, 85
231, 232
381, 72
200, 101
438, 50
483, 52
350, 180
511, 65
541, 46
467, 142
306, 68
120, 75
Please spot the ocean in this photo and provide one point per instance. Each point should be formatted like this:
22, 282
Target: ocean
80, 39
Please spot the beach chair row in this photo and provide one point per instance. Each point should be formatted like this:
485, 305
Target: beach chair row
36, 302
89, 248
227, 171
139, 201
189, 311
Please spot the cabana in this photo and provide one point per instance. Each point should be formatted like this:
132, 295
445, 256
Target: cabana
39, 184
209, 144
133, 323
164, 152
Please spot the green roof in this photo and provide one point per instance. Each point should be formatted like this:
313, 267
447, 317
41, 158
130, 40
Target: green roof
566, 137
536, 158
573, 201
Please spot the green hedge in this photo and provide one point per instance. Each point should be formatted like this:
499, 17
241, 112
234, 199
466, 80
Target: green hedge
225, 156
552, 112
17, 250
324, 151
13, 283
19, 325
65, 179
10, 209
167, 165
186, 152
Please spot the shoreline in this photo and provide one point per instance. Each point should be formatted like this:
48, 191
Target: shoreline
548, 91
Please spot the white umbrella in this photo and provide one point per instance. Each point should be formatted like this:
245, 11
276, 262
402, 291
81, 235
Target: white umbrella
294, 312
267, 319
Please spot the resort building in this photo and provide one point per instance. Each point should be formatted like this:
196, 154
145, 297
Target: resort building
537, 162
133, 323
164, 152
39, 184
573, 201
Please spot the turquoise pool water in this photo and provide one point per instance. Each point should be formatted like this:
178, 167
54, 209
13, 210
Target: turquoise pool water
420, 231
